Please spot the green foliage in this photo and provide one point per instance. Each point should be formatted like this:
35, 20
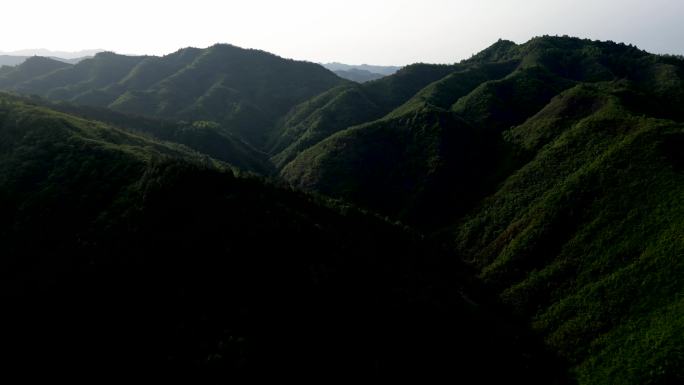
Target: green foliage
553, 168
317, 119
561, 176
206, 137
31, 68
586, 238
246, 91
131, 256
348, 106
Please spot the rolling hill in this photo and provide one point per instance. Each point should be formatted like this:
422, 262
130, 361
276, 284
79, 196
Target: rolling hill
339, 108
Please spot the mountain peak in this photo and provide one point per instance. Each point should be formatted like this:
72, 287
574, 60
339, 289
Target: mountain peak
32, 60
499, 50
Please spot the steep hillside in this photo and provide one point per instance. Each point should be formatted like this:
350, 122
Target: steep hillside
561, 182
549, 173
243, 91
495, 90
205, 137
344, 107
587, 237
358, 76
125, 256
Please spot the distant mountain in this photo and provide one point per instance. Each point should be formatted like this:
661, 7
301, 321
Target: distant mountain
381, 70
361, 73
7, 60
243, 92
33, 67
501, 219
71, 61
358, 76
67, 55
205, 137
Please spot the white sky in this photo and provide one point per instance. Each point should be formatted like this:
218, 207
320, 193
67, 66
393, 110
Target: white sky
351, 31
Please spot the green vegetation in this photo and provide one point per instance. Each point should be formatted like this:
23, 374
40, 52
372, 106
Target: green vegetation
31, 68
245, 91
562, 181
205, 137
587, 237
515, 217
130, 256
344, 107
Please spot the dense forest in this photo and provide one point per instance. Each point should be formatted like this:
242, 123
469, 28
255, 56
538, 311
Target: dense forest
225, 215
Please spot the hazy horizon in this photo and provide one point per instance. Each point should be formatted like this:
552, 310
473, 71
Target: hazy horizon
353, 32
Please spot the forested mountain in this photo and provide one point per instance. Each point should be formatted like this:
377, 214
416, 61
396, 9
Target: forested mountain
243, 91
127, 256
555, 168
361, 73
205, 137
514, 217
345, 106
472, 106
31, 68
357, 75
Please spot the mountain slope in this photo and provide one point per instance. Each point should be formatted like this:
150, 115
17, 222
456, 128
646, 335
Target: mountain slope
587, 237
561, 182
123, 255
205, 137
244, 91
344, 107
382, 70
358, 76
31, 68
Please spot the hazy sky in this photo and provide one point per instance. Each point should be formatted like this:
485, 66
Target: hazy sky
351, 31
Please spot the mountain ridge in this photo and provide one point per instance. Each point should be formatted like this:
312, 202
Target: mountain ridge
229, 93
557, 181
541, 181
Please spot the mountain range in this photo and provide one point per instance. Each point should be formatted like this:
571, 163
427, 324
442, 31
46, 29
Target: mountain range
66, 55
15, 58
381, 70
11, 61
361, 73
226, 214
